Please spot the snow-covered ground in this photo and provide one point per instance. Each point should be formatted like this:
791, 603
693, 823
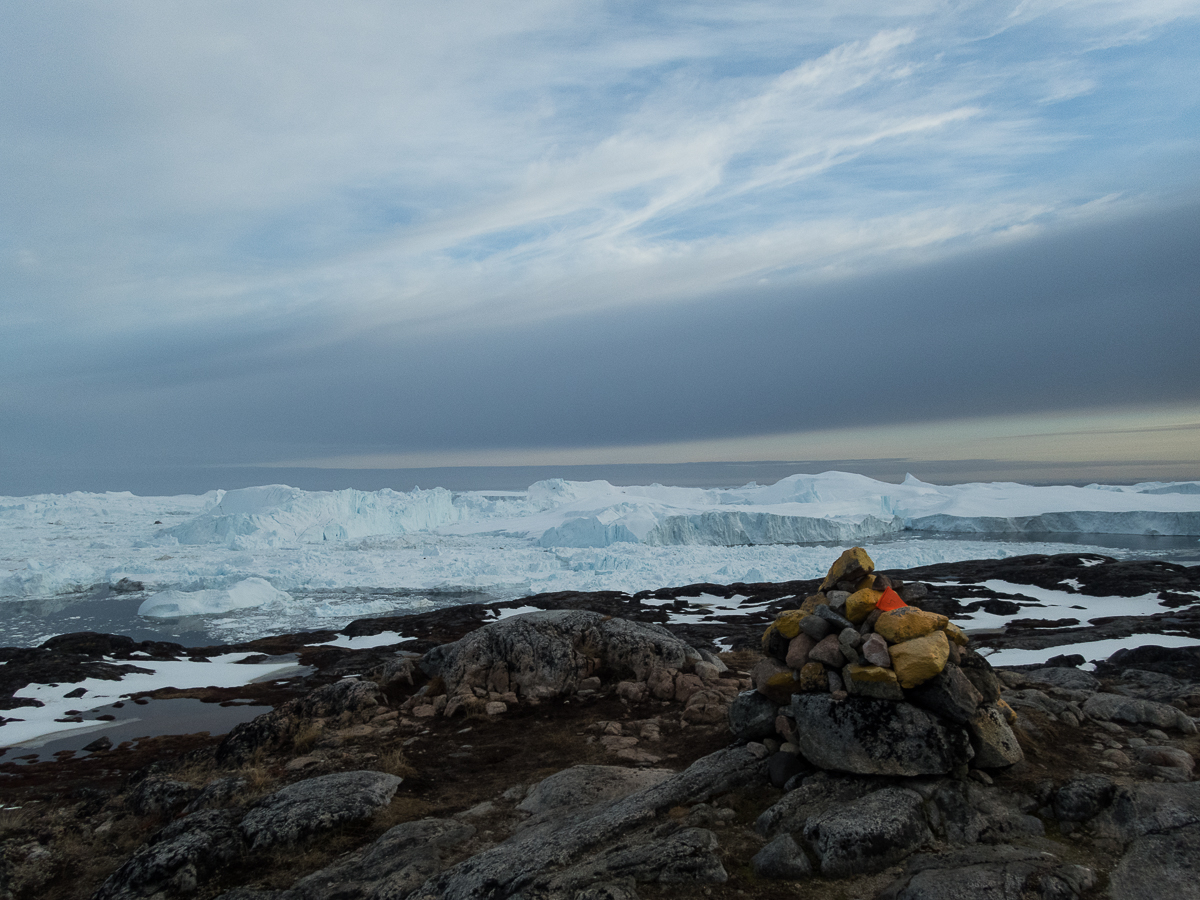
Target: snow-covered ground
244, 563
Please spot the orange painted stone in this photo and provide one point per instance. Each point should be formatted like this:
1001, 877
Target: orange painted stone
889, 601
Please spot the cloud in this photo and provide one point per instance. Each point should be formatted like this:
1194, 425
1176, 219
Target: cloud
268, 233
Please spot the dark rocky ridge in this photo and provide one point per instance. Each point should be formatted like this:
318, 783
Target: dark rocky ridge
1075, 819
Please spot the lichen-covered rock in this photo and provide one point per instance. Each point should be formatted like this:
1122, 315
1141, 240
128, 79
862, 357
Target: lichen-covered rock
317, 804
582, 786
752, 716
547, 653
995, 873
907, 623
1117, 707
949, 694
876, 737
399, 861
1158, 866
869, 834
782, 858
180, 857
1083, 797
995, 744
917, 660
812, 678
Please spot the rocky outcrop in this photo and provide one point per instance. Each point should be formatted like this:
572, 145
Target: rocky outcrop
537, 656
182, 856
532, 864
315, 805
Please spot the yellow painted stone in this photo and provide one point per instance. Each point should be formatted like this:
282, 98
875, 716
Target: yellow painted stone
871, 674
812, 602
918, 660
956, 634
780, 687
788, 624
907, 623
850, 566
860, 604
866, 582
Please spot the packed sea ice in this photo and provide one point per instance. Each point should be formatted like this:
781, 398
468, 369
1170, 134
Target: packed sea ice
257, 559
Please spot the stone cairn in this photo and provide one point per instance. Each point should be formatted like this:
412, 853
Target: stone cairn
868, 683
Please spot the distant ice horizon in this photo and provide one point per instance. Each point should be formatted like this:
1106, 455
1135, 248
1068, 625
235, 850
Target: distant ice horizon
165, 480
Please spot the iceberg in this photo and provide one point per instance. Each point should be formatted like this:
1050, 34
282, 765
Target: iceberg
247, 594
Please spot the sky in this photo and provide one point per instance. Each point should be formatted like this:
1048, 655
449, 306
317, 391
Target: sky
240, 240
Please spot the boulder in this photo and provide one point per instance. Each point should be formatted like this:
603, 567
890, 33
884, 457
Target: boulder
782, 858
317, 804
948, 694
798, 649
752, 716
816, 627
995, 744
782, 767
875, 651
828, 652
818, 793
813, 678
869, 834
916, 661
160, 796
1062, 677
1083, 797
526, 864
687, 855
835, 619
547, 653
876, 737
981, 674
1166, 757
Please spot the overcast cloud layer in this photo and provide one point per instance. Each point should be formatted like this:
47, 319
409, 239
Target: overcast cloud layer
245, 233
